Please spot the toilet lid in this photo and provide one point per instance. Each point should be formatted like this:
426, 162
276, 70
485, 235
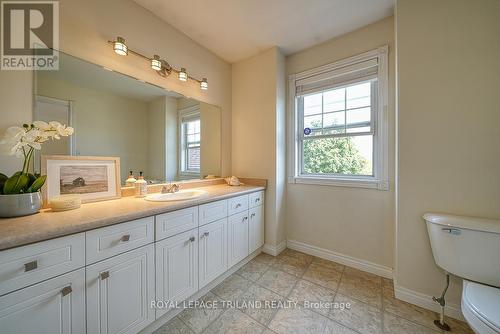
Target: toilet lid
485, 301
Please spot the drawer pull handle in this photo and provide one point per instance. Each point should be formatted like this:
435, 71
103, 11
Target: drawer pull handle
252, 215
125, 238
104, 275
206, 234
238, 205
66, 290
30, 266
192, 239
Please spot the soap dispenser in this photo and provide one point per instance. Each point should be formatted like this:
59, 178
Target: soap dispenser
130, 182
141, 186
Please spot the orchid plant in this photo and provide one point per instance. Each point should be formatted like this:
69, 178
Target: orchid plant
22, 142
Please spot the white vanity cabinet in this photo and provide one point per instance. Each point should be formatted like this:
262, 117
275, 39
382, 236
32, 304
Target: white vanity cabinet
119, 292
237, 239
255, 228
104, 281
212, 251
55, 306
176, 268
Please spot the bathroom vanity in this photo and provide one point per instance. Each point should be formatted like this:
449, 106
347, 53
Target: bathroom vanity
97, 269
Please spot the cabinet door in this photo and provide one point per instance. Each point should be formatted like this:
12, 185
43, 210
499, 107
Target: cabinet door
212, 250
237, 237
119, 292
176, 268
55, 306
256, 228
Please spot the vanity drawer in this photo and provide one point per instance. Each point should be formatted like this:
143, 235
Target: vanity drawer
256, 199
26, 265
211, 212
172, 223
237, 204
113, 240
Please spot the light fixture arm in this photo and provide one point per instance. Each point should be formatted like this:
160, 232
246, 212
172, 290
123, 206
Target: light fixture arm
166, 69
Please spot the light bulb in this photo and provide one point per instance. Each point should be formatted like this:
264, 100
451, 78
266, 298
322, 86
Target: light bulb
156, 63
183, 75
120, 47
204, 84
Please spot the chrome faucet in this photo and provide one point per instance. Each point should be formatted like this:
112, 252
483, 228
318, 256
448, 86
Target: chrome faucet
171, 188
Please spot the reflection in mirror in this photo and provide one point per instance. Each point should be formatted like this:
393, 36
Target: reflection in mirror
161, 133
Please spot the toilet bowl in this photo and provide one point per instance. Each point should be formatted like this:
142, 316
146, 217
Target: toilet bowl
469, 248
481, 307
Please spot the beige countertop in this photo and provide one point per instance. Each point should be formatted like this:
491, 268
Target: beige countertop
48, 225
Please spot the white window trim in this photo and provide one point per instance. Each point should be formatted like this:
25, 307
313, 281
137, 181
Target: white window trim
380, 180
194, 110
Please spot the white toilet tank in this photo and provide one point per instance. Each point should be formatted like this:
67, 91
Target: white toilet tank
467, 247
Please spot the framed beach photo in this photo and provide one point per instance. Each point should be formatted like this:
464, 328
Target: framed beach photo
93, 178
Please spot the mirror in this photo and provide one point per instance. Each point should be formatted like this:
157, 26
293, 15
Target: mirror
161, 133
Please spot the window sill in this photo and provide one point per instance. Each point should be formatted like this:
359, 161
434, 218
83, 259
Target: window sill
367, 183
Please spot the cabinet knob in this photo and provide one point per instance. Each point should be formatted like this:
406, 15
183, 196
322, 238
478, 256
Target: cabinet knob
66, 290
238, 205
30, 266
104, 275
257, 200
245, 218
192, 239
252, 215
126, 237
206, 234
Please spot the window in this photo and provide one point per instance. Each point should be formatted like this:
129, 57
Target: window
340, 124
190, 142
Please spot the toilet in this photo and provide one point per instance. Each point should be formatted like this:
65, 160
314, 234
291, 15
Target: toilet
469, 248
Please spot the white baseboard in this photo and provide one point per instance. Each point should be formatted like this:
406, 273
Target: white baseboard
425, 301
347, 260
274, 250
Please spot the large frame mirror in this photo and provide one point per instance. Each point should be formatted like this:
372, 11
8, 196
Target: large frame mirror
165, 135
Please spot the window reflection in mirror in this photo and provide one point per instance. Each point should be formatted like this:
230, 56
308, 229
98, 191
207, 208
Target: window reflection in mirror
161, 133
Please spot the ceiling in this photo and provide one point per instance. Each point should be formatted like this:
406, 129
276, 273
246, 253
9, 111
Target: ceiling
91, 76
237, 29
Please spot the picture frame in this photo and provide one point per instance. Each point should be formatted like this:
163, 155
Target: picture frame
93, 178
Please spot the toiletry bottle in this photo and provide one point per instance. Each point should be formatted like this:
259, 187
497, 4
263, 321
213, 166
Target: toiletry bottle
141, 186
130, 182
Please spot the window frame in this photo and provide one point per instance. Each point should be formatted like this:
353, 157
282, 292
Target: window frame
190, 112
380, 178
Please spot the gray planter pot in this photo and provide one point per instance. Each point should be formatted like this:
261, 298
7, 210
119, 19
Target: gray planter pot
20, 204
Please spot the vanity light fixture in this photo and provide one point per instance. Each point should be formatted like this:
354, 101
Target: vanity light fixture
204, 84
183, 75
156, 63
162, 67
120, 47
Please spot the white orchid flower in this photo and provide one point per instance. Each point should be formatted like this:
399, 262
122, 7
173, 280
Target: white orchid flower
41, 125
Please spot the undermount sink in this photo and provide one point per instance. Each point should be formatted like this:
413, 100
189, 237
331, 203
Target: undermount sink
181, 195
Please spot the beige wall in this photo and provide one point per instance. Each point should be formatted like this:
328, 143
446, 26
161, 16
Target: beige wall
210, 140
105, 124
85, 27
449, 116
351, 221
157, 141
257, 128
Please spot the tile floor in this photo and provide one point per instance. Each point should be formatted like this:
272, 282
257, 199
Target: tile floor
306, 280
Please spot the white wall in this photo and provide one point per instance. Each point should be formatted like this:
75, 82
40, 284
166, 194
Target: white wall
105, 124
85, 28
350, 221
258, 132
449, 116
